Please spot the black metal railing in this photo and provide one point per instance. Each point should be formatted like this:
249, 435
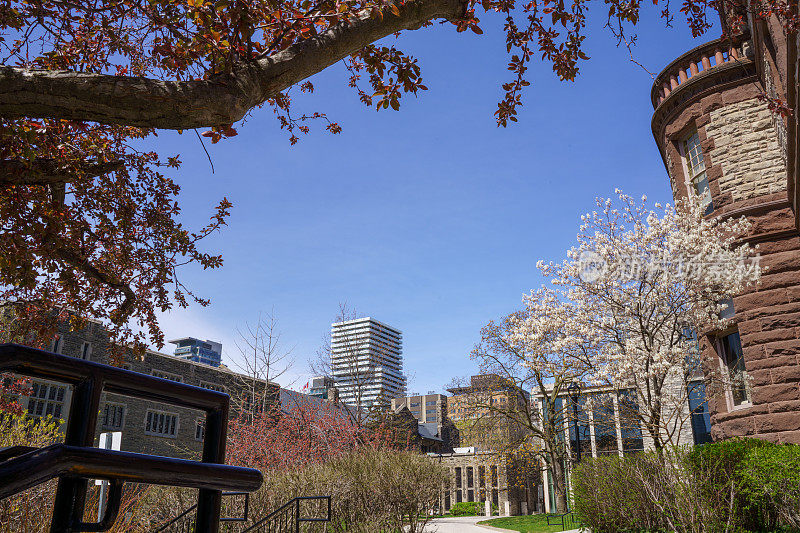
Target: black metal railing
76, 461
287, 518
566, 520
185, 522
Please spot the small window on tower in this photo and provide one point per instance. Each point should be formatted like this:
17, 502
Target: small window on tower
738, 383
696, 168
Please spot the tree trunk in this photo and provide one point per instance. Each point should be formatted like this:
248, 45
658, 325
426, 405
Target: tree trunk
220, 100
560, 485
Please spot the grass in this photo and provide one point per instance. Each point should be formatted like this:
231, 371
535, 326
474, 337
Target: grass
536, 523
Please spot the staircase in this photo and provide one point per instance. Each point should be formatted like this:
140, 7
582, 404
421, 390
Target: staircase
285, 519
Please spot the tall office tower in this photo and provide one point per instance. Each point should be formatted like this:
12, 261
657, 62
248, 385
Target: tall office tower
367, 362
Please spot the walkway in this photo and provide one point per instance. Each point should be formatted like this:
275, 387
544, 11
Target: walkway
459, 524
467, 524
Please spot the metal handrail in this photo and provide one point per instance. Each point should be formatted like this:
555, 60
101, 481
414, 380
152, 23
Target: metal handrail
223, 519
77, 461
296, 502
42, 464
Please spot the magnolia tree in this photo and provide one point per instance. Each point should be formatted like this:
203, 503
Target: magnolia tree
639, 283
535, 350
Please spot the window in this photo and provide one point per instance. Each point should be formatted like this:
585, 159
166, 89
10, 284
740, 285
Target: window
447, 501
161, 424
458, 477
470, 496
167, 375
113, 416
494, 475
698, 406
696, 168
200, 429
482, 476
86, 350
605, 424
495, 498
733, 360
459, 496
629, 422
58, 344
584, 436
430, 403
212, 386
470, 481
46, 399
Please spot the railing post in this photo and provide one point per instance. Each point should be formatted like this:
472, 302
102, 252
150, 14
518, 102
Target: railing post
209, 501
297, 516
70, 500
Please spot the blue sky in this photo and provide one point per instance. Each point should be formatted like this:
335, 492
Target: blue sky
430, 219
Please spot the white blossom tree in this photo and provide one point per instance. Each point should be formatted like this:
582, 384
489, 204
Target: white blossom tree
639, 283
536, 349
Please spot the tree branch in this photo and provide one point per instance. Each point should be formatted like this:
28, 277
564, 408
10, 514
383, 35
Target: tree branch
221, 100
47, 172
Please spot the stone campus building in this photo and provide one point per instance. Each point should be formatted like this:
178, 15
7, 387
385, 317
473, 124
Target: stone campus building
717, 135
147, 426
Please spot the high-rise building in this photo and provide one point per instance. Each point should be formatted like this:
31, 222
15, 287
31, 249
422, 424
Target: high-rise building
206, 352
367, 362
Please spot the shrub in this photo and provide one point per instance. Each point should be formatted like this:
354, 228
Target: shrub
734, 485
773, 473
718, 467
23, 512
465, 509
372, 491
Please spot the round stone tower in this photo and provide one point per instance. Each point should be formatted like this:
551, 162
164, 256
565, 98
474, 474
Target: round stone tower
718, 137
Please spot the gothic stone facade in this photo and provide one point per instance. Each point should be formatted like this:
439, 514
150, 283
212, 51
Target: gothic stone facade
147, 426
489, 477
717, 135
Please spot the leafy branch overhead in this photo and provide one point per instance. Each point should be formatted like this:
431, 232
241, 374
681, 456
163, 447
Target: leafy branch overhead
90, 220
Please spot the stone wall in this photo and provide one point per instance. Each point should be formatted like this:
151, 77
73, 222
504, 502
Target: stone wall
745, 146
185, 443
747, 177
494, 478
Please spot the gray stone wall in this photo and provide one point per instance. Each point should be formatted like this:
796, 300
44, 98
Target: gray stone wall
502, 489
746, 146
184, 442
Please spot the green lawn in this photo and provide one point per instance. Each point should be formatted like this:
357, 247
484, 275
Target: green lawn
527, 524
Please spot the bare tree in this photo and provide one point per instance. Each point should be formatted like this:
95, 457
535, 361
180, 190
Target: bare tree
263, 360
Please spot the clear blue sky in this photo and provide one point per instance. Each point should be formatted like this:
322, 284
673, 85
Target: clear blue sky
430, 219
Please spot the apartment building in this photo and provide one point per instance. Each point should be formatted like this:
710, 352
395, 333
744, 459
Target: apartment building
367, 362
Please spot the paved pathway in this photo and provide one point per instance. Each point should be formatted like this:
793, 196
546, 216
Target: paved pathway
467, 524
459, 524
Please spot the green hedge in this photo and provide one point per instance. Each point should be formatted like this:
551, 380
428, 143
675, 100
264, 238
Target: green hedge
465, 509
734, 485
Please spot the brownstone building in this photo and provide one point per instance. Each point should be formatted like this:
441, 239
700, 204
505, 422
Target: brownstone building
718, 136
